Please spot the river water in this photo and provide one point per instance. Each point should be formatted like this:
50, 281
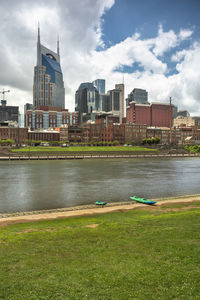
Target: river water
37, 185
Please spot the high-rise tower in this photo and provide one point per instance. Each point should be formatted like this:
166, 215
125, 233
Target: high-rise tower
48, 87
100, 85
139, 96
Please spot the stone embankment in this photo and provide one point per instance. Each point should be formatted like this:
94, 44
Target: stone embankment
7, 154
10, 156
80, 156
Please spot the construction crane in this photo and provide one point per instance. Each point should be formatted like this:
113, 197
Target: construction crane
3, 92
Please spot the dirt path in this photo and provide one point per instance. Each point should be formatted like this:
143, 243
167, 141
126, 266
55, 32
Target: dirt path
92, 211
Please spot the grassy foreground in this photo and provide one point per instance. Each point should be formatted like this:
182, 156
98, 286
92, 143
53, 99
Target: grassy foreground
83, 149
139, 254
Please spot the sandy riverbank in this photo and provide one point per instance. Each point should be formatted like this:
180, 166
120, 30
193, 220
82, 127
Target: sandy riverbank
55, 214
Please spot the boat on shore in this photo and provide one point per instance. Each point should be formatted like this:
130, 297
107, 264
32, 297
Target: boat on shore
100, 203
142, 200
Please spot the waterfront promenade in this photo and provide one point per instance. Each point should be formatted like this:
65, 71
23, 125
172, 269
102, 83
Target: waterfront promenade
95, 155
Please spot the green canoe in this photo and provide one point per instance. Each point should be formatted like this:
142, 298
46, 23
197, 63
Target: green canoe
100, 203
142, 200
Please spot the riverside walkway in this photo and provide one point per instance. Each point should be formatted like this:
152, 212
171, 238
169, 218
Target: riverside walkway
89, 156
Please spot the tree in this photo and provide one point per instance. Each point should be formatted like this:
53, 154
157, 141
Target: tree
144, 141
132, 143
54, 143
156, 140
28, 142
91, 143
115, 143
7, 142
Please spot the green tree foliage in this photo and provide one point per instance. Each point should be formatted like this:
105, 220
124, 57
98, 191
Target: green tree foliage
153, 140
54, 143
193, 149
7, 142
132, 143
34, 143
116, 143
91, 143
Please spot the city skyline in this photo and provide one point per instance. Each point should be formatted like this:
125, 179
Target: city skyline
153, 46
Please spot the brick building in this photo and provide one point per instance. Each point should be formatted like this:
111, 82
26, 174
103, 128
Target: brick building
118, 133
138, 114
162, 133
63, 133
154, 114
124, 133
183, 121
161, 115
181, 134
9, 131
75, 134
44, 135
135, 132
44, 119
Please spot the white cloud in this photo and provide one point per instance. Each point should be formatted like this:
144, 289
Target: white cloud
130, 51
178, 56
164, 41
185, 33
79, 25
187, 80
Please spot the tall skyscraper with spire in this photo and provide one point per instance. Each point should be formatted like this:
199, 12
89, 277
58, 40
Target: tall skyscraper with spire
48, 87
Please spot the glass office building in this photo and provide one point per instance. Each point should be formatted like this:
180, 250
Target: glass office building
104, 102
48, 87
8, 113
100, 85
86, 99
117, 100
139, 96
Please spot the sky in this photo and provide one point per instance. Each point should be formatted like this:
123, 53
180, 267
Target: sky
150, 44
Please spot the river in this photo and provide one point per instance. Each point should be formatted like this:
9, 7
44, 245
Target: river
38, 185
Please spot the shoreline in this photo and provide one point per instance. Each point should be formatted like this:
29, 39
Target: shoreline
86, 210
92, 156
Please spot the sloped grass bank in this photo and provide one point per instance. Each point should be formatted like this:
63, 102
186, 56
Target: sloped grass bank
83, 149
139, 254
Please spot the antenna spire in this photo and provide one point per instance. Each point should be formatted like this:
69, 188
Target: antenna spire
38, 46
58, 47
39, 32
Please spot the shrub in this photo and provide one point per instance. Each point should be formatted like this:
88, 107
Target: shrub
132, 143
100, 143
193, 149
28, 142
153, 140
54, 143
115, 143
91, 143
7, 142
157, 140
144, 141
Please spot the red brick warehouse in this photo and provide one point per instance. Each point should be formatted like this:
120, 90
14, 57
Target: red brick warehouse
154, 114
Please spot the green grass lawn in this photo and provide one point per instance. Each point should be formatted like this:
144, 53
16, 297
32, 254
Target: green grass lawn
84, 149
137, 254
